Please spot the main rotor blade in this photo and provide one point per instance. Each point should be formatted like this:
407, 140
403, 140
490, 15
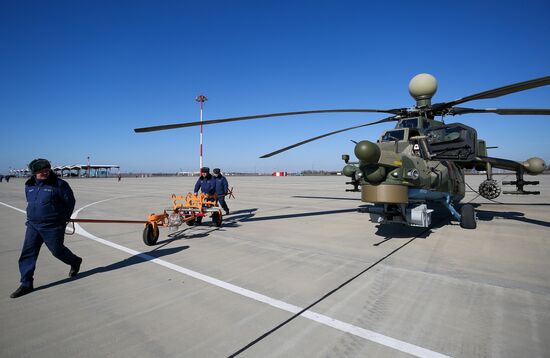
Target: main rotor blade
388, 119
497, 92
503, 111
232, 119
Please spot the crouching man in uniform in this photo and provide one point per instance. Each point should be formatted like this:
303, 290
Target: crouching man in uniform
50, 204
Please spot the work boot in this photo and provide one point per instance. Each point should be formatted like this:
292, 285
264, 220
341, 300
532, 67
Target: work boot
22, 291
227, 212
75, 268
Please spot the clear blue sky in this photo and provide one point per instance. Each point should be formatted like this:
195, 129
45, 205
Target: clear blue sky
77, 76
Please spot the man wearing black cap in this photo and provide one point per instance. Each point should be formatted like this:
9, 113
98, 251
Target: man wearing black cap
50, 203
205, 182
222, 187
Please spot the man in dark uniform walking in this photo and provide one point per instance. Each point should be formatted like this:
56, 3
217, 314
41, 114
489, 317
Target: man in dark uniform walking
222, 187
50, 204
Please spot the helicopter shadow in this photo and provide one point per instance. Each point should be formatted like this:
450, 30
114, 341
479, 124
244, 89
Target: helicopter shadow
511, 204
398, 231
289, 216
324, 197
488, 215
236, 218
130, 261
440, 217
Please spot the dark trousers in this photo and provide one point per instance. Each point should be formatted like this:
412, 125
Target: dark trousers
53, 237
221, 201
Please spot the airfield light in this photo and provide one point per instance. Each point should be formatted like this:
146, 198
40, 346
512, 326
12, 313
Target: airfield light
201, 99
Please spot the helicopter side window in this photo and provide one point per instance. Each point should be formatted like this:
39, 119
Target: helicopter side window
391, 136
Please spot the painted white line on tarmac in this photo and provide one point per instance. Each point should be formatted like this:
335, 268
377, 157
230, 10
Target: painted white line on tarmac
325, 320
13, 207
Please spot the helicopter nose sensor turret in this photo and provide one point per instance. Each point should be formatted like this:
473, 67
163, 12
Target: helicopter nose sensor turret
422, 87
367, 152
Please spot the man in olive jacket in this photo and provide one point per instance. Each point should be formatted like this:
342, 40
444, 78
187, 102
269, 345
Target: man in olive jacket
50, 204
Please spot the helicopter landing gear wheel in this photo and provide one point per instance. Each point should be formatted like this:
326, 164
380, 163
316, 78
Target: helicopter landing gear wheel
468, 217
150, 235
217, 219
190, 222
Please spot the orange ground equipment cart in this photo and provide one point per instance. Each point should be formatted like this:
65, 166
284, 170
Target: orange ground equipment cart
189, 209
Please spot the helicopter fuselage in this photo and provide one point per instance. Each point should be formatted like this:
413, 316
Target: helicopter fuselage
422, 161
400, 174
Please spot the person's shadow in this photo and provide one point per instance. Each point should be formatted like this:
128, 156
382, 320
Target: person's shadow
132, 260
234, 219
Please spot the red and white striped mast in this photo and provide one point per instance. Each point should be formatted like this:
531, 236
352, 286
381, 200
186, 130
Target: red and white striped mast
201, 99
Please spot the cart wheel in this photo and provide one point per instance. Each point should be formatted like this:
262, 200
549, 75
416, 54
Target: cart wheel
190, 222
217, 218
468, 217
150, 235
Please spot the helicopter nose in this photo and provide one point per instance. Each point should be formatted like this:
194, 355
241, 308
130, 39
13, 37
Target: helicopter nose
367, 152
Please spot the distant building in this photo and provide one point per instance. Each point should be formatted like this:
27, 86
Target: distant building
85, 170
188, 174
76, 170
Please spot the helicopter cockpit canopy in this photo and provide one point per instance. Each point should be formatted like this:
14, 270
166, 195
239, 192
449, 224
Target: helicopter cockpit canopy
408, 123
393, 135
399, 135
397, 139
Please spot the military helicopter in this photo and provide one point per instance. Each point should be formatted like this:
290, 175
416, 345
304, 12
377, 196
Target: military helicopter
422, 160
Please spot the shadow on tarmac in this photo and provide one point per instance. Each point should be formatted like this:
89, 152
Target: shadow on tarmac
487, 215
235, 217
440, 217
512, 204
289, 216
180, 235
398, 231
324, 197
133, 260
230, 220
